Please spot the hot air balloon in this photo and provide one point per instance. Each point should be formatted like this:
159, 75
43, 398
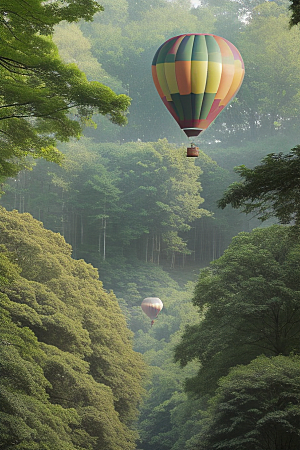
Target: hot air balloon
196, 76
152, 307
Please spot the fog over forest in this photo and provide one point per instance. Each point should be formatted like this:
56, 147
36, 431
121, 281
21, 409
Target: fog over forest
100, 208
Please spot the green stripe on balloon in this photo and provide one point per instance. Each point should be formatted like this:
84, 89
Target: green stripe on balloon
214, 52
184, 51
206, 105
186, 102
199, 52
197, 100
177, 105
161, 57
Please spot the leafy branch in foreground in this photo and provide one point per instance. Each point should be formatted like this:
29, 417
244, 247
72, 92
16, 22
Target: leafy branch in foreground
38, 90
271, 189
295, 8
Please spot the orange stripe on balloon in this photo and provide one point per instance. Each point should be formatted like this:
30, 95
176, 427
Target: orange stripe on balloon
235, 52
224, 47
156, 82
227, 68
183, 77
226, 81
236, 82
204, 123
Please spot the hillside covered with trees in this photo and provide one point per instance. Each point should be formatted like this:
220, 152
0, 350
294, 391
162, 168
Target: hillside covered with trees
70, 378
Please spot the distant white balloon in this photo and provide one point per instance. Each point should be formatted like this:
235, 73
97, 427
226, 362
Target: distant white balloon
152, 307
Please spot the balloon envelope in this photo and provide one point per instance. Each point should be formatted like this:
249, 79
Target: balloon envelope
196, 76
152, 306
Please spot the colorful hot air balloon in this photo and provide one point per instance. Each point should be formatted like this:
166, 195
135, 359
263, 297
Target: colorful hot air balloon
196, 76
152, 307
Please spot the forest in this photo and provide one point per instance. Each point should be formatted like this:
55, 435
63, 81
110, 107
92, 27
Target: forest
100, 208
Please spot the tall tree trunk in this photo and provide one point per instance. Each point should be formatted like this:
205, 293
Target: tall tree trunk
75, 218
99, 237
213, 244
104, 239
152, 251
173, 260
81, 230
15, 199
147, 249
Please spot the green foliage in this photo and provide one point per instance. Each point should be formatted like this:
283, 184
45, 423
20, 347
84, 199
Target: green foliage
38, 90
74, 47
270, 189
157, 175
28, 419
111, 200
256, 407
71, 378
250, 297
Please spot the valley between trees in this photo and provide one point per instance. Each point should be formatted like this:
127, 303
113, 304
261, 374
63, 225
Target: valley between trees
100, 208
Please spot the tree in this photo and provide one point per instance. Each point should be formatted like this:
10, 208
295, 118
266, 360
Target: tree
28, 419
270, 189
227, 16
38, 90
295, 8
161, 191
79, 380
256, 407
250, 300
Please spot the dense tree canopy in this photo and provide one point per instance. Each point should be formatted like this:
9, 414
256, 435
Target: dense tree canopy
256, 407
112, 197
